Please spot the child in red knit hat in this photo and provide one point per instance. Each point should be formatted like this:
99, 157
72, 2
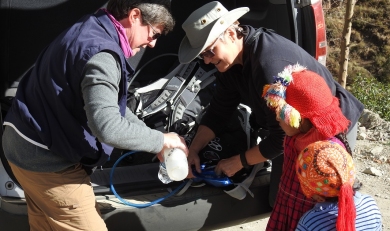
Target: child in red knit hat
307, 112
327, 173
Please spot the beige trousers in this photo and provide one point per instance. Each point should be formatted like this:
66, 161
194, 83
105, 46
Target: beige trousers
60, 201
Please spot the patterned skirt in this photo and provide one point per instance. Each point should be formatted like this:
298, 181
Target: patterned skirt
290, 203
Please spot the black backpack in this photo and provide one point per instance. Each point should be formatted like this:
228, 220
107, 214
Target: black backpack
176, 103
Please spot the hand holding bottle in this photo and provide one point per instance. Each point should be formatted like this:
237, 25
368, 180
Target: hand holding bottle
173, 158
174, 167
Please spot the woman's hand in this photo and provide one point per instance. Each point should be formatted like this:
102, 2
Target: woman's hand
172, 140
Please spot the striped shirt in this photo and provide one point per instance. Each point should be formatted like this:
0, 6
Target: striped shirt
324, 216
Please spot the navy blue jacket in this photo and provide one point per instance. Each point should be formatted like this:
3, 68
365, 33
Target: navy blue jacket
48, 107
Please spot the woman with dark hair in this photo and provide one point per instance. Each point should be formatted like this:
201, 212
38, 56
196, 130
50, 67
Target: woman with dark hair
70, 112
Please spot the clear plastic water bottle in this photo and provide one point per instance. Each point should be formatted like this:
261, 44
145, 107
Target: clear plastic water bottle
174, 167
163, 175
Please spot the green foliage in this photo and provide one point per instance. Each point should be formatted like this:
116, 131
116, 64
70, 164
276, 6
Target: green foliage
373, 94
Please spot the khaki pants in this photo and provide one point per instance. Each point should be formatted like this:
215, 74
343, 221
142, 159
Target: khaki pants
60, 201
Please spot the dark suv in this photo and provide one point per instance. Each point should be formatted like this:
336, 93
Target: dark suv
27, 26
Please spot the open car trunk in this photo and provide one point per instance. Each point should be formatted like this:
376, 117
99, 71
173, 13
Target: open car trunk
29, 25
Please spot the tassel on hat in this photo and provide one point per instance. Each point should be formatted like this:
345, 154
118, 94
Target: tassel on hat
347, 211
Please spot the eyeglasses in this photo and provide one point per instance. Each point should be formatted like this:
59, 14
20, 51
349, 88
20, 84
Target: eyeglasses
208, 53
156, 35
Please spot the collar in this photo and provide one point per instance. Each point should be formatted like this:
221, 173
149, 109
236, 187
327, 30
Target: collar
124, 42
321, 206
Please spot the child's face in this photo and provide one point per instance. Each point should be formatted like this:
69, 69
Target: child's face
290, 131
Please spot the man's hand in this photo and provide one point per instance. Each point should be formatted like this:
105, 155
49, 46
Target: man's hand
229, 166
193, 159
201, 139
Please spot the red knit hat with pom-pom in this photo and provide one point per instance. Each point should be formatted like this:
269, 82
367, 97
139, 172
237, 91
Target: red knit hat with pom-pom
299, 93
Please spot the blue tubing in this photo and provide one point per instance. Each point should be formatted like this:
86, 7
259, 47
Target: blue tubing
134, 204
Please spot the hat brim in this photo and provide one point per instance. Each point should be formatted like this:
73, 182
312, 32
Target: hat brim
187, 53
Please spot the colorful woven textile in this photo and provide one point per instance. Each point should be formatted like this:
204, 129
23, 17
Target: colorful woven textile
291, 203
326, 169
322, 167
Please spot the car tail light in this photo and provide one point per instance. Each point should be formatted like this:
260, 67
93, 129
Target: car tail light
321, 43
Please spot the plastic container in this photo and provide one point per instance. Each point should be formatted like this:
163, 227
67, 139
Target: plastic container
176, 164
163, 175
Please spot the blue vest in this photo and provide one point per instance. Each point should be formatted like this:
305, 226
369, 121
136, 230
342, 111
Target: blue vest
48, 106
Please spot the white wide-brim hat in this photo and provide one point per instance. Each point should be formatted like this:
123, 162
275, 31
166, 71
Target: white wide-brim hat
204, 26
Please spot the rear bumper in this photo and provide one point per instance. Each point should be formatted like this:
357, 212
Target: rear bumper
196, 209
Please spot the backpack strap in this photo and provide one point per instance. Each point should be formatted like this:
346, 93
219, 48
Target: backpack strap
246, 112
239, 192
199, 81
169, 84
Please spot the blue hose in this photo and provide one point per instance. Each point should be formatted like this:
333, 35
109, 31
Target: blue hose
134, 204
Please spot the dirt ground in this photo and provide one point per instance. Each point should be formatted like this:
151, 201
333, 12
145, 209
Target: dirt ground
367, 154
376, 186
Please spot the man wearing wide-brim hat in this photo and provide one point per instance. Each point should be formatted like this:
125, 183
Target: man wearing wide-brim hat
247, 59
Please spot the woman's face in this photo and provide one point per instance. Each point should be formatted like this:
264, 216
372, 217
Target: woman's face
141, 33
143, 36
224, 53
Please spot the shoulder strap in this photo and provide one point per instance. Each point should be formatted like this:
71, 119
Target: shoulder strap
199, 81
245, 111
178, 91
169, 85
239, 192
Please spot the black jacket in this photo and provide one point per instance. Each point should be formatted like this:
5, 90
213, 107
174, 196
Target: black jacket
265, 55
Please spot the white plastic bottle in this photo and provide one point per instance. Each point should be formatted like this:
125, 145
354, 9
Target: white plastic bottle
176, 166
163, 175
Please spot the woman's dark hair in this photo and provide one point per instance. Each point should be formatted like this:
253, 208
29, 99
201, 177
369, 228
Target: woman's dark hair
156, 12
343, 138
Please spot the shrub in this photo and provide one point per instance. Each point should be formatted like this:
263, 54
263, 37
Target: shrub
369, 66
373, 94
